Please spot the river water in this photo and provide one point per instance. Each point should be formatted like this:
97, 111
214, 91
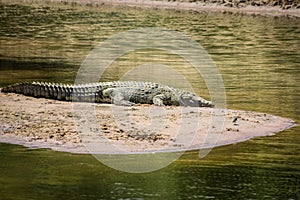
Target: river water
258, 58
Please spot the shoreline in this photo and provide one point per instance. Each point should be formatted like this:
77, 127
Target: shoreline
52, 124
227, 6
205, 7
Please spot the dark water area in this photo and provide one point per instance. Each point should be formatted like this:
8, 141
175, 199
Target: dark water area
258, 58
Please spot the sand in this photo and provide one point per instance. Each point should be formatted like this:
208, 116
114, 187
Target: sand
78, 127
199, 7
257, 7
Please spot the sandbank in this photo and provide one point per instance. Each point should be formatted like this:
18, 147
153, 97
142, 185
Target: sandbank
83, 128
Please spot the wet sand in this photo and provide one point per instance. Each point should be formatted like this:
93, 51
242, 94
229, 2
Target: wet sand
108, 129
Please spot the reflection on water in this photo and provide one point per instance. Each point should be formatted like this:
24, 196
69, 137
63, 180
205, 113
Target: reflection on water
259, 61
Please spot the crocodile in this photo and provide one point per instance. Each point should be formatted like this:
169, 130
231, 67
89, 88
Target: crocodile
124, 93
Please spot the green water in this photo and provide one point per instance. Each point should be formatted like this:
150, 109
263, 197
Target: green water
258, 58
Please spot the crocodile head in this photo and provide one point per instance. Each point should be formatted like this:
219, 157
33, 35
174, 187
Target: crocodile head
193, 100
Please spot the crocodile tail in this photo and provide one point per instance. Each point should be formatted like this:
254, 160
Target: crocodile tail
56, 91
34, 89
12, 88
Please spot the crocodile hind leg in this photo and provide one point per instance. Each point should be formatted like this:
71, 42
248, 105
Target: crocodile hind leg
158, 100
116, 96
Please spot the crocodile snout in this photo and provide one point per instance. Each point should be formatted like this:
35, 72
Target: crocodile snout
207, 104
